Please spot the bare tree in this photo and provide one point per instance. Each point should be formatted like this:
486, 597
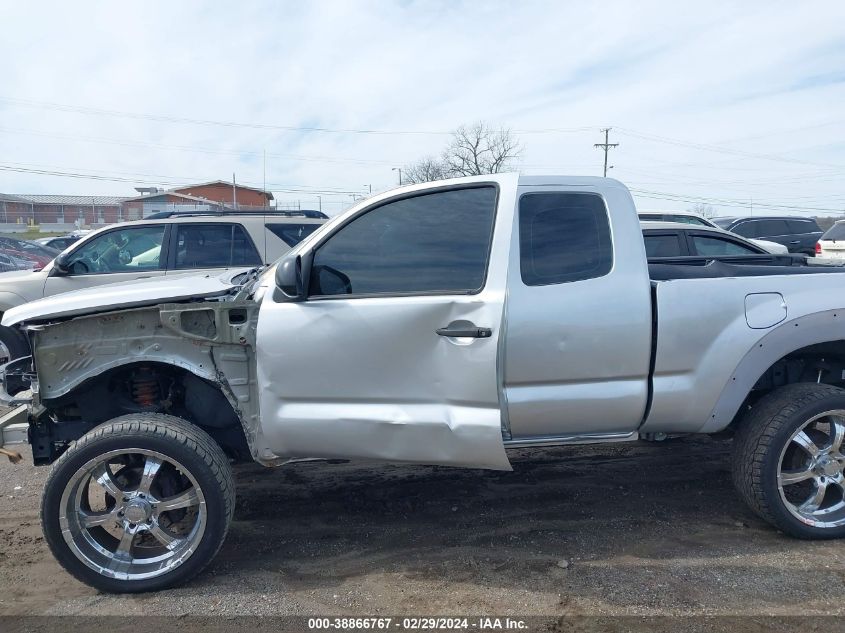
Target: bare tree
479, 149
704, 210
474, 150
424, 170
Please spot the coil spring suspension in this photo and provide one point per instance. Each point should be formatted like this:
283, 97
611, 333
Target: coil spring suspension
145, 388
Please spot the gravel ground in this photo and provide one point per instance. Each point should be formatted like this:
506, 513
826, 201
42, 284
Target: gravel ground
635, 529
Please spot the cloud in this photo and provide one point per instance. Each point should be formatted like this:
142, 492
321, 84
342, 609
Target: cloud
768, 73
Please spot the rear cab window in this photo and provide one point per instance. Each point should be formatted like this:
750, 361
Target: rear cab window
563, 237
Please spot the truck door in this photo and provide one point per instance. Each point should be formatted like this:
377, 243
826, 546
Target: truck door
578, 316
393, 355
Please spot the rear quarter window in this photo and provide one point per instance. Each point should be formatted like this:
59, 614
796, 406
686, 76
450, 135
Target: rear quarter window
798, 227
292, 233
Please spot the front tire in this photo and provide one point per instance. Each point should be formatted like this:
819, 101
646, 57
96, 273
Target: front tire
13, 344
789, 457
140, 503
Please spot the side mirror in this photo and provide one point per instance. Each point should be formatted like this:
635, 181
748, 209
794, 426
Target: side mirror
289, 278
60, 264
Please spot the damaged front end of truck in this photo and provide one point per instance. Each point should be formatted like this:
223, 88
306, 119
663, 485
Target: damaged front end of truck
184, 347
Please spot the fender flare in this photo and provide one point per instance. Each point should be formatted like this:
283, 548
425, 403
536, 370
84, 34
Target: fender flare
790, 336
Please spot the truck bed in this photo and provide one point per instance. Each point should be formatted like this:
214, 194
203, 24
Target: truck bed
719, 325
708, 268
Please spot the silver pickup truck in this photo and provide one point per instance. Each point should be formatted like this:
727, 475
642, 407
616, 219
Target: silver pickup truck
442, 323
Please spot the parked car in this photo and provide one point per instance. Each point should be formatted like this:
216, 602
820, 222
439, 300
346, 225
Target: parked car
31, 254
671, 239
60, 242
441, 323
682, 217
798, 234
153, 248
11, 262
832, 242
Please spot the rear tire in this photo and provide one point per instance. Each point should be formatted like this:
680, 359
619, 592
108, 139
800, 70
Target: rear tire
140, 503
789, 457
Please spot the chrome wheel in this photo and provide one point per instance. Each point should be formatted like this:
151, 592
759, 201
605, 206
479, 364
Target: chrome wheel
5, 356
810, 471
132, 514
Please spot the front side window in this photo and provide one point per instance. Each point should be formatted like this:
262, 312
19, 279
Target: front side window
122, 251
214, 246
563, 237
437, 242
717, 246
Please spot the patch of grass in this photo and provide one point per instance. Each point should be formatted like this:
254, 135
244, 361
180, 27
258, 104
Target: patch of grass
30, 235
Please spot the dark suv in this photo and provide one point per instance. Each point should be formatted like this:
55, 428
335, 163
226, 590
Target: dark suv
799, 235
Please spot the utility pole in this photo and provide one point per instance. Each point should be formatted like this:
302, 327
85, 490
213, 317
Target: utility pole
234, 193
320, 202
606, 146
399, 169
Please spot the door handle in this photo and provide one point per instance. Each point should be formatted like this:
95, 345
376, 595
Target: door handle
795, 242
471, 332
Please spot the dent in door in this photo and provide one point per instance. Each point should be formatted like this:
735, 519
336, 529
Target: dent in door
424, 412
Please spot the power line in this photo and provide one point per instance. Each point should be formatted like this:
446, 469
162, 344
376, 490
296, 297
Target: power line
275, 187
202, 150
78, 109
724, 150
727, 202
606, 146
61, 107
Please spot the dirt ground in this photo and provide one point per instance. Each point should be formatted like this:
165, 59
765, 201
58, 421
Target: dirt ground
635, 529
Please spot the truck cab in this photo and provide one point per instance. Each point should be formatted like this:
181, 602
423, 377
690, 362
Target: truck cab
508, 295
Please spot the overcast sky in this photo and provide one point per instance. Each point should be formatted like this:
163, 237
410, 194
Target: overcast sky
727, 103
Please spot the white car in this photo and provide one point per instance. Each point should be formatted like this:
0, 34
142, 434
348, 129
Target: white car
832, 243
684, 217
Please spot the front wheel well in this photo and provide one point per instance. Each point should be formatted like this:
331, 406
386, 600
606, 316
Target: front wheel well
143, 387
